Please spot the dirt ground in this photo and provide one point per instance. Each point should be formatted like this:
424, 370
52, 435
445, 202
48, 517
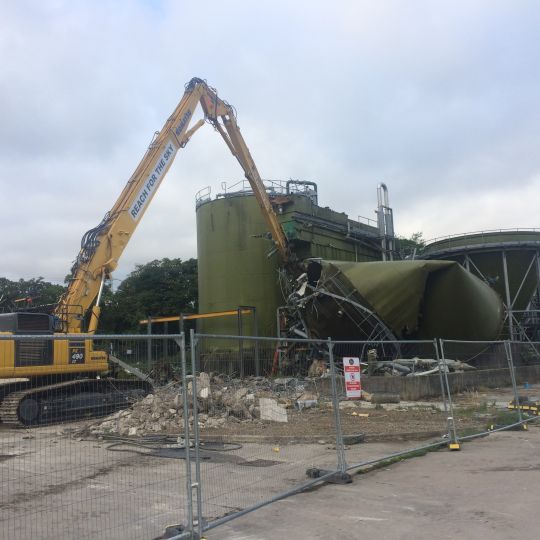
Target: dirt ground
377, 424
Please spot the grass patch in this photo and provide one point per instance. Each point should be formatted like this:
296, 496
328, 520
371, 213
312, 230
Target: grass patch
506, 418
397, 459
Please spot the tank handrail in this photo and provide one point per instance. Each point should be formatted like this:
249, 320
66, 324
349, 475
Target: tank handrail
313, 193
368, 221
203, 195
242, 187
271, 185
474, 233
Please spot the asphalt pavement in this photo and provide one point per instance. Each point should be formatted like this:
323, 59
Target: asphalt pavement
488, 490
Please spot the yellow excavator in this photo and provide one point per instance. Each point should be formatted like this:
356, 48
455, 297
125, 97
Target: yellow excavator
47, 379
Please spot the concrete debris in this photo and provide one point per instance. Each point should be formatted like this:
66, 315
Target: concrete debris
384, 397
347, 405
307, 400
317, 369
366, 396
272, 410
220, 400
414, 367
223, 400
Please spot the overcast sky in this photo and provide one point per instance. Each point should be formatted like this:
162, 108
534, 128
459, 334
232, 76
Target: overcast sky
436, 99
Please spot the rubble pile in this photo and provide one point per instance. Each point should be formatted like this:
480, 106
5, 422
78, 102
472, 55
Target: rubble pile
412, 367
220, 400
224, 400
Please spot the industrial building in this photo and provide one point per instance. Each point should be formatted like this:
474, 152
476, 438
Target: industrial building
468, 287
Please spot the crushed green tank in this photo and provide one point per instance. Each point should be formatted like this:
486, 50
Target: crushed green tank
483, 253
413, 299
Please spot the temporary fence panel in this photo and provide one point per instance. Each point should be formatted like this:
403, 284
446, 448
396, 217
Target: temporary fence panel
402, 405
191, 436
95, 458
481, 383
261, 437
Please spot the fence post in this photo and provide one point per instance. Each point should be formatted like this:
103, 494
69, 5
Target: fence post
256, 332
197, 484
342, 464
512, 368
187, 460
443, 366
149, 343
443, 392
240, 342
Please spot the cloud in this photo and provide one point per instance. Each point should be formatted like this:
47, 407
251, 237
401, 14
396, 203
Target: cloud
438, 100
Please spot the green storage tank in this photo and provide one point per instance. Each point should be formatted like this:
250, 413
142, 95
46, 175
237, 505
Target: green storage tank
233, 265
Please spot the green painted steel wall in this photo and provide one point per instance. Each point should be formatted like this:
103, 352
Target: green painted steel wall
315, 231
233, 266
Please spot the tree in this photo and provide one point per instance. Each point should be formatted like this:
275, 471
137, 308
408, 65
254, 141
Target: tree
163, 287
28, 294
408, 247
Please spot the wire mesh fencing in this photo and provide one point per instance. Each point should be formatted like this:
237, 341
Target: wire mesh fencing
189, 436
482, 386
262, 434
526, 359
90, 456
401, 404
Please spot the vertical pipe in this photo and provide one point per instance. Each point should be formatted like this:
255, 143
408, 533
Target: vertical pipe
197, 485
342, 463
385, 221
508, 297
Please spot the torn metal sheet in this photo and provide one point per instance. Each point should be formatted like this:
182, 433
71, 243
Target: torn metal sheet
413, 299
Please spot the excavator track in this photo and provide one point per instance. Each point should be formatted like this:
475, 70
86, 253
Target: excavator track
70, 400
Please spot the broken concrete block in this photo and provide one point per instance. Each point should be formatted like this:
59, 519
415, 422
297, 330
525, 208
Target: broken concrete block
317, 368
347, 405
240, 394
203, 385
272, 411
148, 400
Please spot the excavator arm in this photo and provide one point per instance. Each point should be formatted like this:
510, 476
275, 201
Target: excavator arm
102, 246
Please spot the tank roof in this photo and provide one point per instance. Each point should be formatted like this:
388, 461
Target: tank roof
490, 240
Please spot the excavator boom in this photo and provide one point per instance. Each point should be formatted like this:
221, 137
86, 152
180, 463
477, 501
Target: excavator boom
102, 246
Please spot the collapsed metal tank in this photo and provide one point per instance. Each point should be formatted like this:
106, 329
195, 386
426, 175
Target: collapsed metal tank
509, 262
400, 300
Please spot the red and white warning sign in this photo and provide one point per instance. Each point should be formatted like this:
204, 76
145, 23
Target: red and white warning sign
351, 369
